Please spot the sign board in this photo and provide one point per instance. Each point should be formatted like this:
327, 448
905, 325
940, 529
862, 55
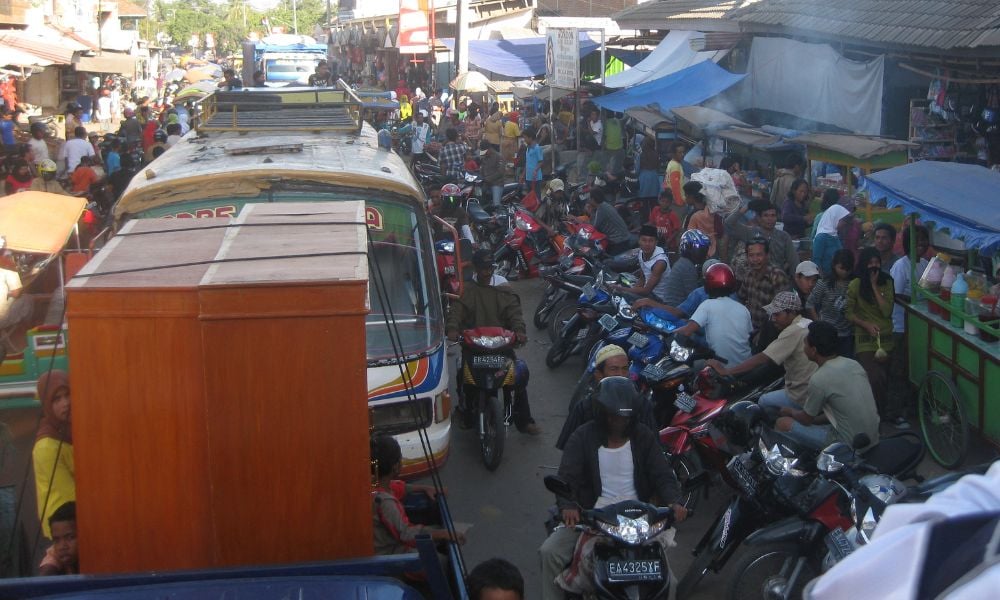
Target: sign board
414, 28
562, 57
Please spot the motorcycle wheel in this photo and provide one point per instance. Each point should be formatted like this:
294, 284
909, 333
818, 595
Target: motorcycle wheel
562, 349
492, 438
560, 314
685, 467
695, 573
545, 307
761, 566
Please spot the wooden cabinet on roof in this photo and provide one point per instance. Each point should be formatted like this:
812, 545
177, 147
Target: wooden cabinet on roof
219, 406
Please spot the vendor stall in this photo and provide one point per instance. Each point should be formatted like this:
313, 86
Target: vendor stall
954, 355
758, 151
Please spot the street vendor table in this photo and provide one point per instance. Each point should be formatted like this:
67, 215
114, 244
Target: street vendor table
958, 373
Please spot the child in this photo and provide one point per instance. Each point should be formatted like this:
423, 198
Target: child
394, 534
83, 177
61, 558
173, 134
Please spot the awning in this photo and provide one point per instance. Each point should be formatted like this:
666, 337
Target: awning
673, 54
39, 222
962, 198
755, 138
706, 120
20, 58
649, 116
122, 64
857, 146
56, 53
514, 58
687, 87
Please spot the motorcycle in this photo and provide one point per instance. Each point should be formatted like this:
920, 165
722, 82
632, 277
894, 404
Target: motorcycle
580, 331
629, 561
488, 368
526, 245
569, 275
448, 268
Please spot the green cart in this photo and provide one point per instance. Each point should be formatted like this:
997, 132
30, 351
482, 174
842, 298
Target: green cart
957, 373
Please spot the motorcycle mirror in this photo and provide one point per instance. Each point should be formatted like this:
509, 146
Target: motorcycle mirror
558, 486
861, 441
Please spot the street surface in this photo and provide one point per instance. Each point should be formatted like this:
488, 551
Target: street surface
508, 507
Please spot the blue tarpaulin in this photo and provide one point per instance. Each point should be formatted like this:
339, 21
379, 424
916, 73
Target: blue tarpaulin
686, 87
965, 199
514, 58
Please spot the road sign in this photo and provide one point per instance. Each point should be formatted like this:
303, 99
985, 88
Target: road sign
562, 57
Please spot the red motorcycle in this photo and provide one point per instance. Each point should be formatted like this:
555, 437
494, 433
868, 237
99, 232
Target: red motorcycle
526, 245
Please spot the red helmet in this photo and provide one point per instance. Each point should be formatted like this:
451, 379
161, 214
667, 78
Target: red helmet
450, 193
719, 280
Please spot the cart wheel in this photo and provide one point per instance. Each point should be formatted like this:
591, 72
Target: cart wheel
942, 420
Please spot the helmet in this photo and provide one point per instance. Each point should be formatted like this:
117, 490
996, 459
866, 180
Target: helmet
694, 245
719, 280
160, 136
617, 396
450, 193
47, 166
738, 422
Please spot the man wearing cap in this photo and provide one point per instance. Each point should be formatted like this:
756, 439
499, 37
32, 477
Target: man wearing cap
485, 305
787, 351
611, 361
806, 276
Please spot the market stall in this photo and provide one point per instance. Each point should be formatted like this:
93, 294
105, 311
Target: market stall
758, 152
954, 355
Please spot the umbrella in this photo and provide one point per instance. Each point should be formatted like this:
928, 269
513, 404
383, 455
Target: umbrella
175, 75
470, 81
202, 88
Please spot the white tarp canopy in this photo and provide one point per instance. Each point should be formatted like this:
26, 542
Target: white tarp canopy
673, 54
813, 82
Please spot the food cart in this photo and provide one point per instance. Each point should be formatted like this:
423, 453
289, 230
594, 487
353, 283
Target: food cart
958, 373
867, 153
757, 147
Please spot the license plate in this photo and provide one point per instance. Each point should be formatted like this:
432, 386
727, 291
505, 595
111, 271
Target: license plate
685, 402
742, 476
838, 544
449, 270
589, 292
634, 570
653, 373
489, 361
608, 323
638, 340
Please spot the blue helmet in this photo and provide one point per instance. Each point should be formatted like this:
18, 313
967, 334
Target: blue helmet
694, 245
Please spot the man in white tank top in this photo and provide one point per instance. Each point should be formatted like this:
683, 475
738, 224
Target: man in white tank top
653, 265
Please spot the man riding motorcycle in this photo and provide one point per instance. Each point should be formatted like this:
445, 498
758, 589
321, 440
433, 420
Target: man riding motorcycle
609, 459
486, 305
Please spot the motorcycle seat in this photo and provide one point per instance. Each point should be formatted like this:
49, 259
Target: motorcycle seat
897, 455
476, 212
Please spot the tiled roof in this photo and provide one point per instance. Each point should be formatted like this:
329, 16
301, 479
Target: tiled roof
127, 9
937, 24
659, 13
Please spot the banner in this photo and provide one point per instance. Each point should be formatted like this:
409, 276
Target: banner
414, 28
562, 57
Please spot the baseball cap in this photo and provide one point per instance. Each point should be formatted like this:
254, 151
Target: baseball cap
807, 268
482, 258
557, 185
784, 301
607, 352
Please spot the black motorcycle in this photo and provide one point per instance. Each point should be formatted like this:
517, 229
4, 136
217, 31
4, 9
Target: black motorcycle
488, 370
631, 564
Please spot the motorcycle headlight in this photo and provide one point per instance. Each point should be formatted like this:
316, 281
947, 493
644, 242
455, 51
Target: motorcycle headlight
490, 342
885, 488
826, 463
632, 531
779, 465
680, 353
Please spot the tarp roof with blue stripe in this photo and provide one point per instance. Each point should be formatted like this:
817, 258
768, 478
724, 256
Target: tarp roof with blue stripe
965, 199
514, 58
686, 87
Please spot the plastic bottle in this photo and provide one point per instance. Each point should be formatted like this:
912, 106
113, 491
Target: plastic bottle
959, 289
947, 280
931, 279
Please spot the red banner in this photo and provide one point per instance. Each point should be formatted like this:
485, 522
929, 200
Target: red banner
414, 29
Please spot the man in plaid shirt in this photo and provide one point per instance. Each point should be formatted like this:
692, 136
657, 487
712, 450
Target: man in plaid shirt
452, 155
762, 281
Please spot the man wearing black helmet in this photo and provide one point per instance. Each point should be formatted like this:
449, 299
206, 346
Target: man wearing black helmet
607, 460
683, 276
483, 304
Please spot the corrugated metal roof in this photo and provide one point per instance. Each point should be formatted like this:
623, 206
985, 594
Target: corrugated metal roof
658, 14
43, 48
938, 24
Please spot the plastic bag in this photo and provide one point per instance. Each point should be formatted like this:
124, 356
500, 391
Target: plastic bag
719, 189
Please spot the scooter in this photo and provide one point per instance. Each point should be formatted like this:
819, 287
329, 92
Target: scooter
629, 560
488, 368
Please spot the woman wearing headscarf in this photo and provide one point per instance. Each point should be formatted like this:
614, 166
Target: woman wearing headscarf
53, 452
827, 241
405, 108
